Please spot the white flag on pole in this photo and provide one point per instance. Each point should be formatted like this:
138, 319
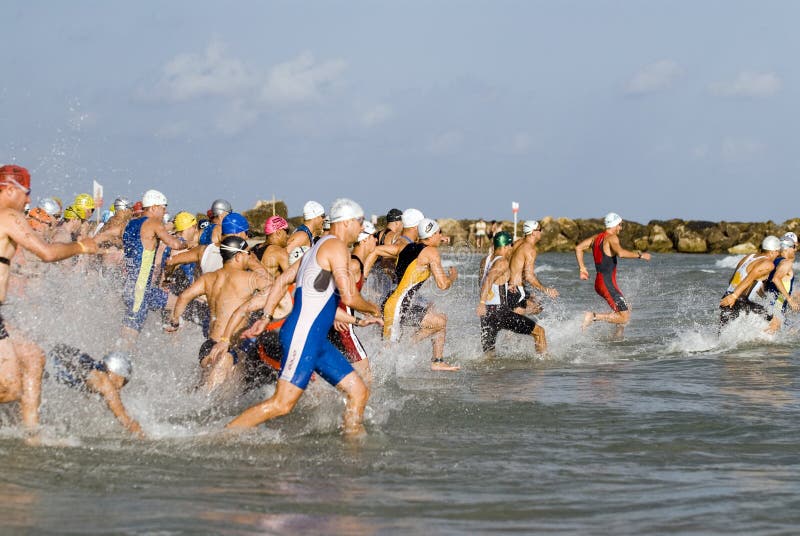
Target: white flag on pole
514, 207
97, 194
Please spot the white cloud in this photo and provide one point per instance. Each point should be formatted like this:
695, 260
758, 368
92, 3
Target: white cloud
740, 149
446, 142
748, 84
376, 115
237, 117
300, 79
189, 76
654, 77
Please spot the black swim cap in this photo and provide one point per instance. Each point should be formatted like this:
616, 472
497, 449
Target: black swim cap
394, 215
502, 239
230, 246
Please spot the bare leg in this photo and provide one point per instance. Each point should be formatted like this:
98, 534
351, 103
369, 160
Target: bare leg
435, 325
357, 394
280, 403
615, 317
363, 369
539, 339
217, 373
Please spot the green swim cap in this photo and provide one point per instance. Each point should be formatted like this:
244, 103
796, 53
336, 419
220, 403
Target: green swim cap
502, 239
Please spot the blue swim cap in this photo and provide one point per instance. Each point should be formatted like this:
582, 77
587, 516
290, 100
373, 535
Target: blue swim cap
234, 223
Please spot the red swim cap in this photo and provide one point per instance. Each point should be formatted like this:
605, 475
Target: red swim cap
11, 174
274, 223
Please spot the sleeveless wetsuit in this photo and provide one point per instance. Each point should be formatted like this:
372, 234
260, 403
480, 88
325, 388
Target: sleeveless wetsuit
743, 303
304, 335
399, 308
205, 236
500, 314
605, 283
347, 341
304, 229
72, 367
139, 291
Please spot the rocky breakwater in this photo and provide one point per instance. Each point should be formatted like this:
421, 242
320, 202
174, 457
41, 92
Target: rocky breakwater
657, 236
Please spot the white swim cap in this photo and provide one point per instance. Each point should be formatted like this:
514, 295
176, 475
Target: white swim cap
297, 253
788, 236
50, 206
118, 363
312, 209
122, 203
167, 217
153, 198
612, 219
787, 244
345, 209
771, 243
367, 230
530, 226
411, 217
427, 228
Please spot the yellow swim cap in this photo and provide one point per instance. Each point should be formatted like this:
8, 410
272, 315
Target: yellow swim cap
74, 213
85, 201
184, 220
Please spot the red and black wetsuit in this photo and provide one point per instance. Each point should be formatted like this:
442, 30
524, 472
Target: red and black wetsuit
347, 341
605, 283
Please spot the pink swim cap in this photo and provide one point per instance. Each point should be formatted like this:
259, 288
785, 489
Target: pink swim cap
274, 223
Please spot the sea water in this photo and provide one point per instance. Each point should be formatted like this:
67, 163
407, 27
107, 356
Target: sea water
673, 429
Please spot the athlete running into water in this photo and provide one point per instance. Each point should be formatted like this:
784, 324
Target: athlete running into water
415, 264
322, 278
778, 287
605, 250
741, 296
522, 264
22, 361
494, 308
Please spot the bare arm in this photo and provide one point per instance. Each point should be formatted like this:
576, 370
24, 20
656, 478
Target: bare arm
193, 255
758, 272
195, 290
491, 278
171, 240
21, 233
617, 249
335, 255
102, 384
579, 249
298, 238
443, 280
386, 250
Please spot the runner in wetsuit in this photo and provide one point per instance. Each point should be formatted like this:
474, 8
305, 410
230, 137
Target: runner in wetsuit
21, 360
605, 250
308, 233
746, 282
78, 370
342, 334
415, 264
322, 272
778, 286
141, 238
494, 309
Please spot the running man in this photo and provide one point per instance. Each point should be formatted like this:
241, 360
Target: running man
322, 279
605, 250
741, 296
78, 370
778, 286
523, 266
494, 308
415, 264
21, 360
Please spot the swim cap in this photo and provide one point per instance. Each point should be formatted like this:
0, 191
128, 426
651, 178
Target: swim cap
39, 218
84, 201
530, 226
367, 230
790, 236
394, 214
612, 219
184, 220
202, 224
122, 203
166, 217
75, 213
411, 217
230, 246
138, 208
297, 253
106, 215
427, 228
326, 224
234, 223
220, 207
503, 238
15, 176
50, 206
787, 244
119, 363
312, 209
771, 243
345, 209
153, 198
275, 223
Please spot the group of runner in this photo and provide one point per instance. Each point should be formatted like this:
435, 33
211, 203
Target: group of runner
285, 310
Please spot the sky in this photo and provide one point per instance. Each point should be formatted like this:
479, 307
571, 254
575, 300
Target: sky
651, 109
